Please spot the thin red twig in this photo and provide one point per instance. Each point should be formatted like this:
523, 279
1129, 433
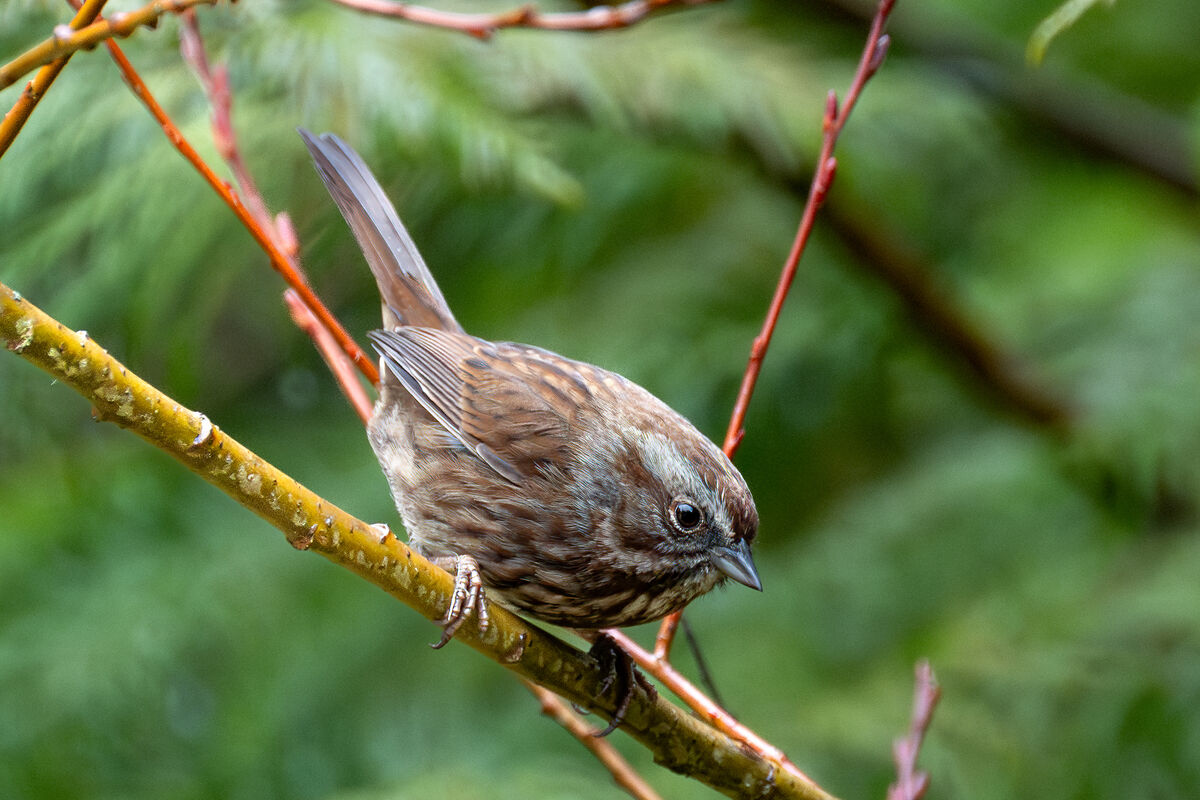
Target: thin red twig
482, 26
835, 119
18, 115
911, 782
278, 258
666, 635
625, 775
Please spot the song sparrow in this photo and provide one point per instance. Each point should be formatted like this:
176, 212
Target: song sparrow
564, 490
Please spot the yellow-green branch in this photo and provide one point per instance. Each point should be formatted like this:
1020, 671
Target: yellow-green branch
65, 41
678, 741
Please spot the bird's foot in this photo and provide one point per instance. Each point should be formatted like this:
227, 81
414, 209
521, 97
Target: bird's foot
467, 596
619, 669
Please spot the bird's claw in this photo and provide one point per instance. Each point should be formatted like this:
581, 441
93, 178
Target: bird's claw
615, 662
467, 597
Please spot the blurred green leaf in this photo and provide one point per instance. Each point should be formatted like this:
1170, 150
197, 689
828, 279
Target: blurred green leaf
1048, 29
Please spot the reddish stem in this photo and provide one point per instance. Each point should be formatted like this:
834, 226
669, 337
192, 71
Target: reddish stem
18, 115
912, 783
482, 26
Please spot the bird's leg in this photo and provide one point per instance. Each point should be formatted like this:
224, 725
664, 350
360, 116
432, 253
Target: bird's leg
467, 596
617, 665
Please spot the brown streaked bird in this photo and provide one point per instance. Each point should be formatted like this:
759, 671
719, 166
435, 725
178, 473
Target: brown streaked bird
560, 489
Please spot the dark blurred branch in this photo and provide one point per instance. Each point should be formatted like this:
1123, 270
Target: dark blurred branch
678, 741
911, 783
66, 41
16, 117
885, 256
1082, 110
482, 26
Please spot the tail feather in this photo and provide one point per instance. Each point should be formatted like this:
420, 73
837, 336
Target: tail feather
410, 294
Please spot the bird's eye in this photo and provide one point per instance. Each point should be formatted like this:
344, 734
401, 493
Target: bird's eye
685, 516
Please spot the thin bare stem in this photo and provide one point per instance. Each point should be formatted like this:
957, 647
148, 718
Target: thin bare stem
18, 115
66, 41
666, 635
215, 83
868, 64
482, 26
911, 783
625, 775
872, 57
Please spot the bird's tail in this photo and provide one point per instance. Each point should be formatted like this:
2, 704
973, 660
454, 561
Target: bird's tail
410, 294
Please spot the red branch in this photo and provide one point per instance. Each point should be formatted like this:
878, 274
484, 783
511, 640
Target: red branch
911, 783
215, 83
482, 26
835, 119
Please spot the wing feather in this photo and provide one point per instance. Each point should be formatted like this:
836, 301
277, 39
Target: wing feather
489, 397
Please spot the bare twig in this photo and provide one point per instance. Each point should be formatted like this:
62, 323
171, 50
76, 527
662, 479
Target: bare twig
66, 41
482, 26
835, 119
911, 783
1078, 110
624, 774
265, 237
16, 117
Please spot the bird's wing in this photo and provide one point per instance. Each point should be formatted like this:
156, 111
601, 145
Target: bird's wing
512, 405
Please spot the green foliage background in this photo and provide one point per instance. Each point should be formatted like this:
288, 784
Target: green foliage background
627, 198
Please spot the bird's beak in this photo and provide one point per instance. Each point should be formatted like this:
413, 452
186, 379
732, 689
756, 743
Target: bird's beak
737, 563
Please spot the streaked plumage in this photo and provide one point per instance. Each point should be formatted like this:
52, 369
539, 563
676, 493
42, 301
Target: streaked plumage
570, 486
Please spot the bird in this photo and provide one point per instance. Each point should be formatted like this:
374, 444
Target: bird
550, 486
